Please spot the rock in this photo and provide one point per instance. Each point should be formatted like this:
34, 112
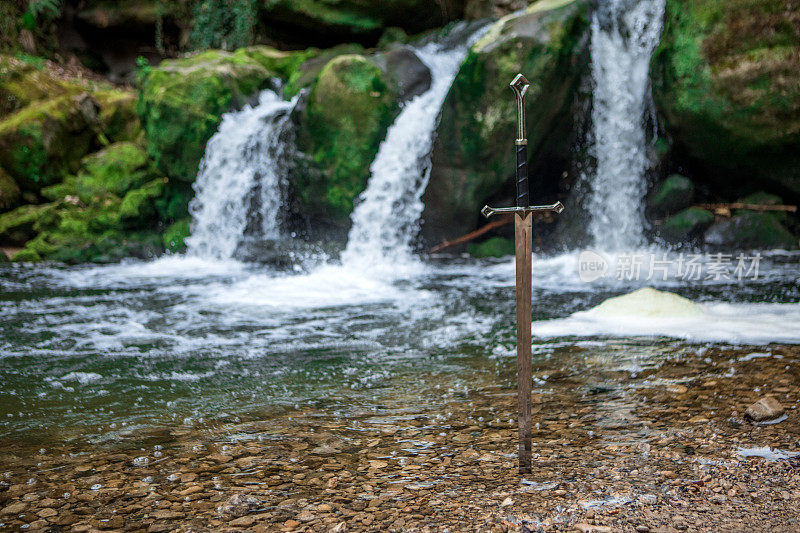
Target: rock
763, 198
647, 302
47, 512
592, 528
750, 230
493, 247
182, 100
9, 192
673, 194
766, 408
726, 82
238, 505
47, 139
220, 458
472, 158
685, 225
174, 237
349, 108
245, 521
405, 72
14, 509
305, 516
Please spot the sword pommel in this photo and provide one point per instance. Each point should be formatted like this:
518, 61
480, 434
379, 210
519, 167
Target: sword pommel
520, 86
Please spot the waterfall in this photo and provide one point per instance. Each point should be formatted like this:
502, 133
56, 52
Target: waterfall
244, 163
386, 217
624, 35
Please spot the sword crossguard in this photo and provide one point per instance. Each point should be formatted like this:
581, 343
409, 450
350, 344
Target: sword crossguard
489, 211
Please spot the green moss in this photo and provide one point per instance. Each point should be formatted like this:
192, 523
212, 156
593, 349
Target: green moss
751, 230
675, 193
174, 237
686, 224
726, 78
46, 140
349, 109
118, 117
181, 101
138, 204
23, 82
494, 247
17, 226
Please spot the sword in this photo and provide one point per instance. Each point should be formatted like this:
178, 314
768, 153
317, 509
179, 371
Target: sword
523, 243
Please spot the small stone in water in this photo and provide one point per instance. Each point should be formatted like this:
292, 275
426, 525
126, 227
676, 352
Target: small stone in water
96, 486
767, 408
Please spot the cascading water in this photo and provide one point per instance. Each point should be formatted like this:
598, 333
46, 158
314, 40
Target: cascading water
386, 218
245, 157
624, 35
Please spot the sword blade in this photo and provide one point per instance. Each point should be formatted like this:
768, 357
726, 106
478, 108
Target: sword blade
523, 240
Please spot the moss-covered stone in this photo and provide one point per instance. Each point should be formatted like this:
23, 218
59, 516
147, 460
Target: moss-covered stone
751, 230
182, 101
9, 192
686, 224
25, 80
118, 118
174, 237
349, 109
673, 194
473, 154
46, 140
726, 80
17, 226
494, 247
763, 198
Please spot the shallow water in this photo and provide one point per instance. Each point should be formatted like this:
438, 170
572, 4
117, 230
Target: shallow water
103, 352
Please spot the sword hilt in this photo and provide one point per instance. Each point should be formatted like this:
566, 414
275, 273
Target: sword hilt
489, 211
520, 86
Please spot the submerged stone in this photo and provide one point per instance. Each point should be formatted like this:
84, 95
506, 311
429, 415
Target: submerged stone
648, 303
766, 408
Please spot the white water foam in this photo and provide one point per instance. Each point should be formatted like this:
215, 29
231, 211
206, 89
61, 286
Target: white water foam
386, 218
754, 323
623, 39
245, 162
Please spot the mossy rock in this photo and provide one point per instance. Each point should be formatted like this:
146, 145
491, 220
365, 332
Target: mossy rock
673, 194
118, 117
9, 192
751, 230
349, 109
494, 247
25, 79
473, 154
114, 170
174, 237
686, 224
308, 71
181, 101
46, 140
726, 81
763, 198
17, 226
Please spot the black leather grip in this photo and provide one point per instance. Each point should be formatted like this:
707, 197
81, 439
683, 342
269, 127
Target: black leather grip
522, 176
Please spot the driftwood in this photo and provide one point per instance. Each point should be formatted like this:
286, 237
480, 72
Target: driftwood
725, 209
508, 219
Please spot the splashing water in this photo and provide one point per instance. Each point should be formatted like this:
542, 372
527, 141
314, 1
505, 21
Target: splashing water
245, 162
623, 39
386, 219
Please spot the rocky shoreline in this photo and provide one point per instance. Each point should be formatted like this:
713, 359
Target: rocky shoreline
660, 445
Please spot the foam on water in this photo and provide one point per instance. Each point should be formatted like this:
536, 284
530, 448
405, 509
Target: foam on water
754, 323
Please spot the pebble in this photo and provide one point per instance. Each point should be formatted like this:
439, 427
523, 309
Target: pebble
767, 408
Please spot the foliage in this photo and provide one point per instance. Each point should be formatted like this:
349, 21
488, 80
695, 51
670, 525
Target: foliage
226, 24
39, 11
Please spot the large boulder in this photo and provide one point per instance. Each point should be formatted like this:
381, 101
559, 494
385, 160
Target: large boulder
685, 225
182, 101
673, 194
750, 230
349, 108
726, 81
473, 154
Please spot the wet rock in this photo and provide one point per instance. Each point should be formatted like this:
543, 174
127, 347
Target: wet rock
750, 230
767, 408
673, 194
14, 508
591, 528
406, 72
685, 225
238, 505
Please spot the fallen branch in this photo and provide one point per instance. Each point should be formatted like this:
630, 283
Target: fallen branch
725, 209
508, 219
